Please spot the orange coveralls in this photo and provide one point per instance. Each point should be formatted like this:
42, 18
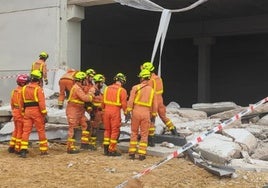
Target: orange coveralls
95, 115
66, 82
42, 67
114, 98
143, 103
157, 84
75, 112
34, 107
15, 141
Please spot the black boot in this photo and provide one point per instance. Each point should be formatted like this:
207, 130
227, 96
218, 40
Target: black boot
23, 153
11, 150
131, 156
174, 131
84, 146
73, 151
151, 142
114, 153
105, 149
142, 157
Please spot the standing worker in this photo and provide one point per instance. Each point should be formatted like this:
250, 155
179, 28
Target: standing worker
35, 113
142, 104
75, 112
96, 110
114, 99
157, 84
41, 65
15, 101
66, 82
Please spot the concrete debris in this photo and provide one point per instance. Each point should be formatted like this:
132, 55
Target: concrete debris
222, 148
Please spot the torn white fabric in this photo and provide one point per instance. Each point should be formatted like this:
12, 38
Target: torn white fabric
164, 21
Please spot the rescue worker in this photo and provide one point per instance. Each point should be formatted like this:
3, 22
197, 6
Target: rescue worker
40, 65
15, 101
96, 110
157, 84
66, 82
114, 99
89, 84
90, 74
75, 112
35, 113
142, 104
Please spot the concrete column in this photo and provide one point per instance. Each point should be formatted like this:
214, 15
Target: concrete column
204, 56
75, 15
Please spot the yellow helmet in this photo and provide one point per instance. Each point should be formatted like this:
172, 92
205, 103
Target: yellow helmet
90, 72
36, 74
99, 78
145, 74
120, 77
43, 55
79, 76
148, 66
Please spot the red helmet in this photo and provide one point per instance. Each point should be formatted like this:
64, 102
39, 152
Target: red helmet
23, 79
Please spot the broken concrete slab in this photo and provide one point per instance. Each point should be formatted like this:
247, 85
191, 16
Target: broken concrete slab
213, 108
5, 115
263, 121
259, 131
154, 151
197, 125
219, 149
53, 131
243, 137
261, 152
242, 164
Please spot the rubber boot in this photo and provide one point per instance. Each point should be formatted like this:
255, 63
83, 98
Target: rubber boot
114, 153
151, 141
174, 131
23, 153
11, 150
73, 151
131, 156
105, 149
142, 157
84, 146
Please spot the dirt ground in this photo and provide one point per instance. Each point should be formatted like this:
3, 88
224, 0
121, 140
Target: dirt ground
93, 169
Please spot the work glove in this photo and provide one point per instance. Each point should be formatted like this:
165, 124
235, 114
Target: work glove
97, 93
127, 117
45, 119
153, 119
46, 81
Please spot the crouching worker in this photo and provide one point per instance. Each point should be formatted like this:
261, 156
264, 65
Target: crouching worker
75, 112
142, 104
35, 113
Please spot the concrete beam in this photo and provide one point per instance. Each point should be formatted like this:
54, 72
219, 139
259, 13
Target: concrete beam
86, 3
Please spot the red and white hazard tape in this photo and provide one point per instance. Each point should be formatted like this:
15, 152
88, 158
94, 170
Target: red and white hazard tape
198, 139
16, 75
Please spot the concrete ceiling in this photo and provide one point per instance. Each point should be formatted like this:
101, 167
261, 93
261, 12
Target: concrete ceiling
213, 18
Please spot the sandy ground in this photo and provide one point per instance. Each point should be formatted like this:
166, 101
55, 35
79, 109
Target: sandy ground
93, 169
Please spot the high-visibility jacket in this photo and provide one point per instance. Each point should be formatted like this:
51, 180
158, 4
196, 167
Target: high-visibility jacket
142, 95
78, 96
156, 83
41, 66
69, 75
115, 95
33, 95
15, 99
